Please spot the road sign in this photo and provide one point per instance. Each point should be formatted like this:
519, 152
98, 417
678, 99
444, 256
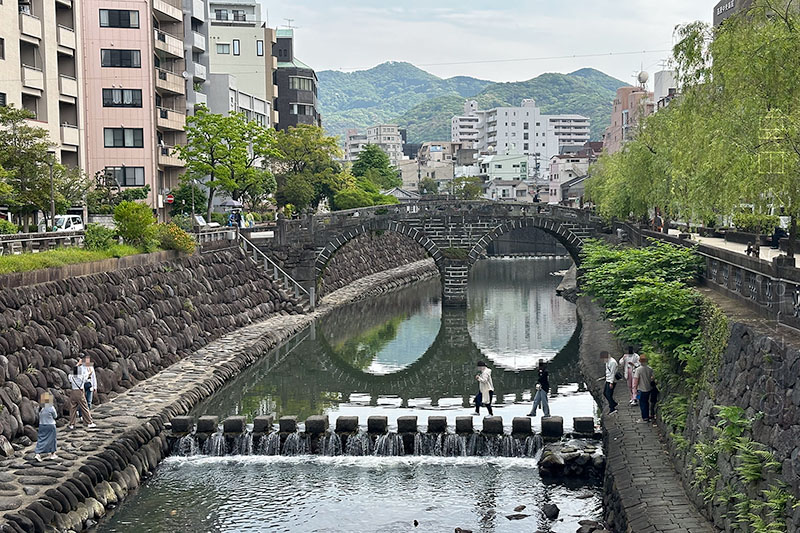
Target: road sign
170, 198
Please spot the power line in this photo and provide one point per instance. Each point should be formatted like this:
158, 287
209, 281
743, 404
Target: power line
522, 59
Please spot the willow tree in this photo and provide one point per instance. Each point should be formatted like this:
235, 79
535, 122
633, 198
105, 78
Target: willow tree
741, 81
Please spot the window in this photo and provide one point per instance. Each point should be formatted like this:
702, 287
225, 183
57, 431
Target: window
221, 14
301, 84
2, 48
121, 58
122, 98
259, 47
123, 137
525, 147
239, 16
301, 109
119, 18
2, 99
236, 50
525, 125
223, 48
127, 176
524, 136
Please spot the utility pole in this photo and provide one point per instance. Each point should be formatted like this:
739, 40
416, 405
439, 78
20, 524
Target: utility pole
50, 162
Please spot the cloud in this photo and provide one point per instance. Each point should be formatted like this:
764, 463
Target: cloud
355, 34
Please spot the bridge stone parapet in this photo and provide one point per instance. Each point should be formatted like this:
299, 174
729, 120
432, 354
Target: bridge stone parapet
455, 234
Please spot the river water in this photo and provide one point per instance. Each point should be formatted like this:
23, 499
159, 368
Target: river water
397, 355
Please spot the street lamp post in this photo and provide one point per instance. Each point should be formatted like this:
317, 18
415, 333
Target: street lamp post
50, 161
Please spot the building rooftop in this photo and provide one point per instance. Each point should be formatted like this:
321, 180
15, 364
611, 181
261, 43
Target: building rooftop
284, 32
295, 63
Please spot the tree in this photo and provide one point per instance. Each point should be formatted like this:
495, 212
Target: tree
374, 164
467, 188
25, 164
308, 158
428, 186
228, 153
183, 199
135, 224
361, 192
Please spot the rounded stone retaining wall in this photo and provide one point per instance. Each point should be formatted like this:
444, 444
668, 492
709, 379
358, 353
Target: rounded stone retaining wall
367, 254
133, 322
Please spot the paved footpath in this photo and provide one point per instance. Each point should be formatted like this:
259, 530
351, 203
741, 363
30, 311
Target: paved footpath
650, 495
98, 467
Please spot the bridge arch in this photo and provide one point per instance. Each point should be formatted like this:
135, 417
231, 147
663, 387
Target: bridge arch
335, 244
562, 232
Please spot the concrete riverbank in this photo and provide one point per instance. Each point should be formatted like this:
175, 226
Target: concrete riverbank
98, 468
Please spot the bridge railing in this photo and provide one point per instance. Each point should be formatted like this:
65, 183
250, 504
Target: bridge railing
278, 274
39, 242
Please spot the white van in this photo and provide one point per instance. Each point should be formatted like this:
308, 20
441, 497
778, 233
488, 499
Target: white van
68, 223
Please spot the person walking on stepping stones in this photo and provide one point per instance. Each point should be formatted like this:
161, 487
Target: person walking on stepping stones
77, 398
485, 388
542, 390
630, 361
611, 377
644, 378
46, 440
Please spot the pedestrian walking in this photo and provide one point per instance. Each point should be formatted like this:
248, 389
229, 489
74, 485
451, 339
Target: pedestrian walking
542, 390
629, 362
611, 378
485, 389
644, 378
46, 440
89, 380
77, 399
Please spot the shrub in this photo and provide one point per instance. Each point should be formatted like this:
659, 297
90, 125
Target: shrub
99, 237
8, 228
219, 218
135, 224
183, 221
171, 237
756, 222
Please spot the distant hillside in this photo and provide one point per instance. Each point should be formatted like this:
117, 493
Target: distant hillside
404, 94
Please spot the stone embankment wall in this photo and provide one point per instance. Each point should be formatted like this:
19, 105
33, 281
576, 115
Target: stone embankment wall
367, 254
761, 374
132, 322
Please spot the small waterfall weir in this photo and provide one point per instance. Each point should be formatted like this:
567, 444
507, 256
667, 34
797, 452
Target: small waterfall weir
233, 437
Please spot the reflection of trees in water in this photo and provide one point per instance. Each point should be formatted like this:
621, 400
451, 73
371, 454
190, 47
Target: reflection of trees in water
315, 377
359, 352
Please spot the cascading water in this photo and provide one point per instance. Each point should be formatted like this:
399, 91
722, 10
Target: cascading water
428, 444
269, 444
359, 444
454, 445
186, 446
296, 444
533, 445
216, 445
331, 444
389, 445
243, 444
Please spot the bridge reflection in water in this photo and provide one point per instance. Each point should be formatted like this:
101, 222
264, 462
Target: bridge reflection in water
401, 352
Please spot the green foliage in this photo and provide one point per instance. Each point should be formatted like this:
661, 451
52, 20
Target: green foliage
8, 228
135, 224
455, 253
60, 257
674, 412
106, 194
183, 221
183, 199
428, 186
360, 351
373, 164
362, 193
219, 218
755, 222
98, 237
172, 237
467, 188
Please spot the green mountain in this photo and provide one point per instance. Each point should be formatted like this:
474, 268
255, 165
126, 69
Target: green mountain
424, 104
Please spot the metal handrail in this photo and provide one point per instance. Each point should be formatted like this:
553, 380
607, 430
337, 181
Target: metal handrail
278, 273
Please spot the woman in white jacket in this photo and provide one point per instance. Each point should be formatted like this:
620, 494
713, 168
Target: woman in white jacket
485, 388
630, 361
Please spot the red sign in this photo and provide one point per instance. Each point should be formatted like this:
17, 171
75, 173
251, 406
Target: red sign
170, 199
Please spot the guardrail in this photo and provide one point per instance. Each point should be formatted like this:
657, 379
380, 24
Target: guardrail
39, 242
279, 275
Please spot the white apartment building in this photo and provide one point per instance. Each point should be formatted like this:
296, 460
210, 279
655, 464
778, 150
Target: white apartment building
504, 167
240, 44
42, 70
224, 97
564, 168
354, 142
520, 130
389, 139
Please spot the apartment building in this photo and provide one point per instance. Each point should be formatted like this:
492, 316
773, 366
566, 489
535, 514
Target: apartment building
195, 52
563, 169
570, 130
42, 69
240, 44
439, 151
631, 105
297, 85
225, 97
354, 143
389, 138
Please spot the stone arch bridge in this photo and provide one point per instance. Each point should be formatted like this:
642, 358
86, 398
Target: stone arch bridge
454, 234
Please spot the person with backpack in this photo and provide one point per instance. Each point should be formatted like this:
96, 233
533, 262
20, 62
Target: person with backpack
542, 390
77, 398
645, 379
611, 377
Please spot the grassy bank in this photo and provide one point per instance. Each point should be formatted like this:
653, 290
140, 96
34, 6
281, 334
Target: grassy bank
61, 257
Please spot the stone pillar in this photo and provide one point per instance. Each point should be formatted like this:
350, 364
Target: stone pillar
455, 273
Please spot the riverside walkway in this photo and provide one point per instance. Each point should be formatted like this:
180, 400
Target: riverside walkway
644, 493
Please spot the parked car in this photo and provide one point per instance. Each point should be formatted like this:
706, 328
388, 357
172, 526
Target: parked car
68, 223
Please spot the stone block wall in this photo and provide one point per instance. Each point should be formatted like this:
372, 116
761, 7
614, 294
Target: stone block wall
133, 322
368, 254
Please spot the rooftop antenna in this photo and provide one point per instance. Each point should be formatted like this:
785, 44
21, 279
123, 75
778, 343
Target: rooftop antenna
289, 23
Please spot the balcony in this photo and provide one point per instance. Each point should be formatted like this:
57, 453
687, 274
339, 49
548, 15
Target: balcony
169, 44
30, 26
68, 86
170, 82
168, 10
70, 135
65, 3
32, 78
168, 158
199, 72
169, 119
66, 38
200, 99
199, 10
198, 42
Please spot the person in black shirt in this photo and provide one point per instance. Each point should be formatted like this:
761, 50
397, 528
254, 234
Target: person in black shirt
542, 390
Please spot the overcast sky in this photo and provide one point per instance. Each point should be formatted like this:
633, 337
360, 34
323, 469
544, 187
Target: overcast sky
450, 38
